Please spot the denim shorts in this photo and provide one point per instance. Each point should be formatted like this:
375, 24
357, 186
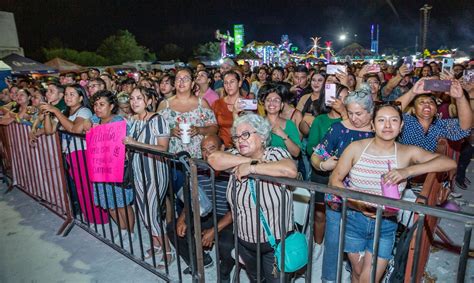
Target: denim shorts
360, 232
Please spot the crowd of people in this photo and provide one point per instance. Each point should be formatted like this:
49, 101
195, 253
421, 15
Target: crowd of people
267, 120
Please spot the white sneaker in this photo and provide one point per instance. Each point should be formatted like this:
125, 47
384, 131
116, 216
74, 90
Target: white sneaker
455, 195
317, 252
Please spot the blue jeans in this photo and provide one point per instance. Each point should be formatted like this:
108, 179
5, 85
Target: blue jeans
331, 244
360, 230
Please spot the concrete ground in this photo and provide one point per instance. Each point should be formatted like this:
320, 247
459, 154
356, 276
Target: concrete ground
30, 250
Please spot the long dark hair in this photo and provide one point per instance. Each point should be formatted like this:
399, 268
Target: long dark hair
16, 108
318, 106
82, 93
148, 93
232, 73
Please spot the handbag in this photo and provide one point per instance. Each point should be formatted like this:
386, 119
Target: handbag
205, 204
128, 176
296, 246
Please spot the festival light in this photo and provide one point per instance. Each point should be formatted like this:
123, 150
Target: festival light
342, 37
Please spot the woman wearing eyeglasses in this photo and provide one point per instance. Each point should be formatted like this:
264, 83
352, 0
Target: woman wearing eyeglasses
251, 136
284, 132
187, 108
359, 106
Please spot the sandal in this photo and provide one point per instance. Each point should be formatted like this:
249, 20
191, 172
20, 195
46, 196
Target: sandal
156, 250
171, 257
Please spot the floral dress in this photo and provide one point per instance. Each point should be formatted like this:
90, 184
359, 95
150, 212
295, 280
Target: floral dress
200, 117
334, 143
337, 139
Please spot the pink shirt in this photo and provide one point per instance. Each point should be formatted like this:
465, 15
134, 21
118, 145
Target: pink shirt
210, 96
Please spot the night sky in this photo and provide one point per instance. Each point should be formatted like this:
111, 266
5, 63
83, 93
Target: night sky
82, 25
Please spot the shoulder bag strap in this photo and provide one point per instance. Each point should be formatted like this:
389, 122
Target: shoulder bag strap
146, 125
270, 236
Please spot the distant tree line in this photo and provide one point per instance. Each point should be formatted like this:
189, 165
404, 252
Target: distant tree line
122, 47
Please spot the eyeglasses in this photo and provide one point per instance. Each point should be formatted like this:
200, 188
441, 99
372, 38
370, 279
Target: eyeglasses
273, 101
244, 136
93, 85
359, 93
183, 80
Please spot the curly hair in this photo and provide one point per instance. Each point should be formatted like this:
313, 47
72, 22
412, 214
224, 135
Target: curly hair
109, 97
261, 125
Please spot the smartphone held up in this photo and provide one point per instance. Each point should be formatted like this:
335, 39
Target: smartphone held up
373, 69
333, 69
437, 85
249, 104
330, 94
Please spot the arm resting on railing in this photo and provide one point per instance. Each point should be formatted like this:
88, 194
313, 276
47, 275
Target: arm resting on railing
420, 162
221, 161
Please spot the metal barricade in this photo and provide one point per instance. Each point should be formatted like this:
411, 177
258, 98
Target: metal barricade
5, 156
134, 226
37, 170
419, 243
131, 225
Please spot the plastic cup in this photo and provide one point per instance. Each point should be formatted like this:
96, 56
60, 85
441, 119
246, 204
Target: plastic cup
390, 191
185, 136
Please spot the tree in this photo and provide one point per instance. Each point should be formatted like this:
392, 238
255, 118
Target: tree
210, 50
84, 58
170, 51
122, 47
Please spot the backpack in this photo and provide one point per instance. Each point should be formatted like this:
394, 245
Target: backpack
397, 271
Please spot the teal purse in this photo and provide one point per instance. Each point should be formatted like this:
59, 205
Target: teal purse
296, 246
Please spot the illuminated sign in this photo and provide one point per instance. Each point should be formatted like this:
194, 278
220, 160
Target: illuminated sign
238, 38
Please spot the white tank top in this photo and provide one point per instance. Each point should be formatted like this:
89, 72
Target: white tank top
366, 173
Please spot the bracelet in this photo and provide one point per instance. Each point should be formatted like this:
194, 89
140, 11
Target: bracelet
321, 166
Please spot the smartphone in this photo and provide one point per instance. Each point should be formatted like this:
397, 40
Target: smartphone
373, 68
399, 63
448, 64
333, 69
330, 94
409, 63
468, 76
249, 104
437, 85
